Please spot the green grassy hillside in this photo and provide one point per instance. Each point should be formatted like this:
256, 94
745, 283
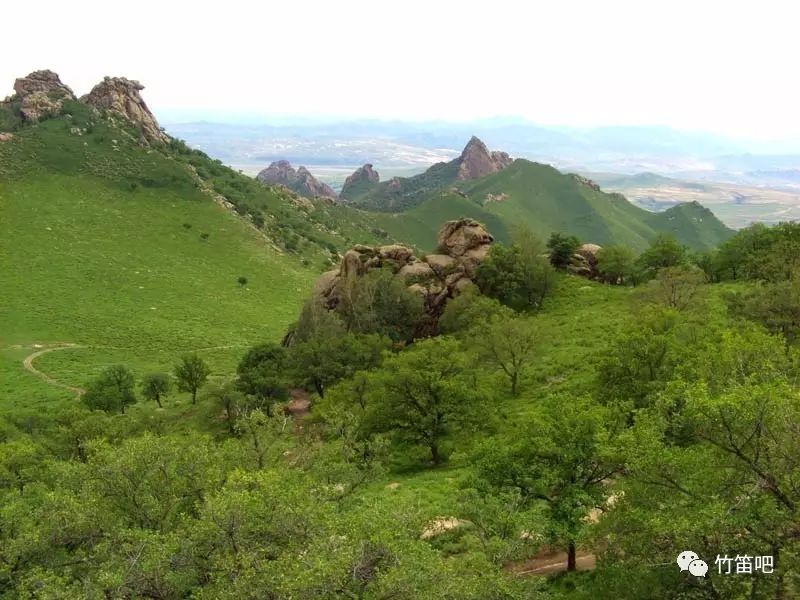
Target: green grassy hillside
121, 250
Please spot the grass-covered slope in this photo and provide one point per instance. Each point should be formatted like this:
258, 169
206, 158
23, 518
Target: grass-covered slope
120, 249
541, 198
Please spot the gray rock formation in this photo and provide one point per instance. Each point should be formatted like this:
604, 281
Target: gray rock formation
41, 94
300, 181
121, 96
584, 261
362, 178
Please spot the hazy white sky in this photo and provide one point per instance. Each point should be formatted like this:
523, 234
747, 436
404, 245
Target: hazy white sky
720, 66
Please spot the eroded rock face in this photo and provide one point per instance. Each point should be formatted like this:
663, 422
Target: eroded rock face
42, 94
584, 261
281, 172
121, 96
363, 176
477, 161
456, 238
435, 277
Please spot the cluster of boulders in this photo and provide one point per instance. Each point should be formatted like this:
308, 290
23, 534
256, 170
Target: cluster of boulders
41, 94
462, 246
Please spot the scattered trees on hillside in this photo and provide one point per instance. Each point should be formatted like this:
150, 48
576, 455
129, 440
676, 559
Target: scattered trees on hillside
111, 391
156, 385
776, 306
192, 373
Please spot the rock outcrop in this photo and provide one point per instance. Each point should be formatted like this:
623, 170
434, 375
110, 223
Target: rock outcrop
121, 96
41, 94
360, 181
477, 161
301, 181
584, 261
435, 277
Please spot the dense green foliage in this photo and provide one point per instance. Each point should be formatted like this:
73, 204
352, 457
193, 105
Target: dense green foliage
618, 425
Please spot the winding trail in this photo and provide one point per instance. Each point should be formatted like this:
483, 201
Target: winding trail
27, 364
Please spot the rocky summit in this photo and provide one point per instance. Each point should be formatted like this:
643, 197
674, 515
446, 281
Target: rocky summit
477, 161
301, 180
363, 177
40, 94
121, 96
462, 246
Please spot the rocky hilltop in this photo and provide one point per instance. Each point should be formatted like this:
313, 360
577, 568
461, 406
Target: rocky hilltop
121, 96
40, 94
362, 180
301, 181
462, 246
477, 161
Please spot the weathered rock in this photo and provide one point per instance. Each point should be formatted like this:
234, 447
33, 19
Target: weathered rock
397, 253
455, 238
361, 179
476, 161
440, 263
352, 264
6, 137
301, 180
121, 96
41, 93
326, 282
417, 270
585, 260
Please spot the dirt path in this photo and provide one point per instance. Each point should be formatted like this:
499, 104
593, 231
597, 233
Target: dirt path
27, 364
547, 564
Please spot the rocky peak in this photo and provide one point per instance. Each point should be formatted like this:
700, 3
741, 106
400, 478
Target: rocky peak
361, 177
477, 161
121, 96
41, 93
301, 181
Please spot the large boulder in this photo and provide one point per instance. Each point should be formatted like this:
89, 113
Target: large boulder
417, 271
456, 238
41, 94
121, 96
584, 261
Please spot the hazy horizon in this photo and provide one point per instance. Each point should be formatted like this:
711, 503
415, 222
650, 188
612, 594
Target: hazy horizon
708, 67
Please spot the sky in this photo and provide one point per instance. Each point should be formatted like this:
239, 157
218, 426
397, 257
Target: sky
723, 67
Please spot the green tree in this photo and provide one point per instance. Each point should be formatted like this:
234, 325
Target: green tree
425, 394
262, 375
192, 373
507, 344
675, 287
664, 251
516, 277
469, 309
230, 401
562, 248
565, 458
111, 391
776, 306
380, 303
323, 360
156, 385
615, 264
